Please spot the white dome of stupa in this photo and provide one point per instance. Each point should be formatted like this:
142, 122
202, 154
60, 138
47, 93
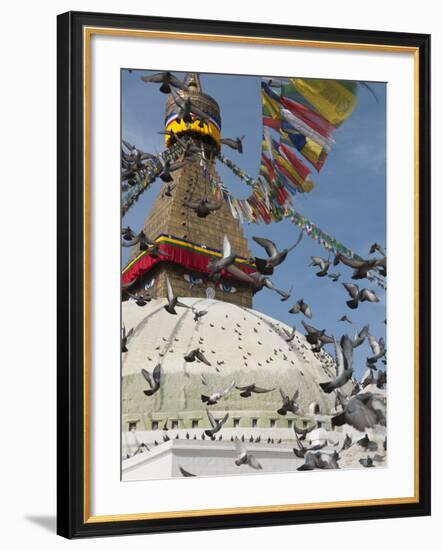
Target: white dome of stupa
242, 345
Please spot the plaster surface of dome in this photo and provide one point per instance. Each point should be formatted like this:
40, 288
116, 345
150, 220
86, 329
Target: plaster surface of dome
242, 345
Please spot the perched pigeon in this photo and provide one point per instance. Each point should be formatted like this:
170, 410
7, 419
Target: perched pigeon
185, 473
366, 462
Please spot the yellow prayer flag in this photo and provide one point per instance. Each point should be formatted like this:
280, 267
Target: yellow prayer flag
270, 107
332, 100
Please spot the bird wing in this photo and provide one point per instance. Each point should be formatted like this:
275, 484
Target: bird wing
360, 337
223, 420
359, 415
254, 463
347, 350
212, 420
269, 246
240, 448
185, 473
306, 310
229, 388
198, 112
257, 389
382, 344
240, 274
352, 289
326, 339
296, 308
309, 328
148, 377
227, 248
170, 295
200, 356
157, 374
245, 388
127, 232
177, 82
339, 356
204, 381
299, 239
369, 295
230, 142
212, 206
192, 204
127, 244
282, 293
283, 394
295, 395
374, 344
157, 77
127, 145
351, 263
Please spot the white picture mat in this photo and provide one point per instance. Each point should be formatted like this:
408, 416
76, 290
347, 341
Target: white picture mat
108, 494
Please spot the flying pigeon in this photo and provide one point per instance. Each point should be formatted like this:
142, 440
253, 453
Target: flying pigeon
215, 395
275, 257
323, 265
216, 424
244, 457
172, 301
167, 80
234, 143
362, 411
246, 391
288, 403
302, 307
153, 379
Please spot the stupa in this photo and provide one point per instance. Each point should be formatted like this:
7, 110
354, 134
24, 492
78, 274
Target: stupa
165, 432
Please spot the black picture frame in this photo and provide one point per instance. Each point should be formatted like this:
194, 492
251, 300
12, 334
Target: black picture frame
72, 393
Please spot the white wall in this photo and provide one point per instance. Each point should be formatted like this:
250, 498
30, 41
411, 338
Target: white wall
27, 399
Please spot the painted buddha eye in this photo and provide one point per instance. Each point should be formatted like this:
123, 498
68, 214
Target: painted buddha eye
149, 283
227, 287
193, 280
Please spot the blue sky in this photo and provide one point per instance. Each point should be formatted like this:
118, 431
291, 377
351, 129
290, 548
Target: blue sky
348, 202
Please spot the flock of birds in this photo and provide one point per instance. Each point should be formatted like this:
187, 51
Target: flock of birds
360, 409
135, 162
